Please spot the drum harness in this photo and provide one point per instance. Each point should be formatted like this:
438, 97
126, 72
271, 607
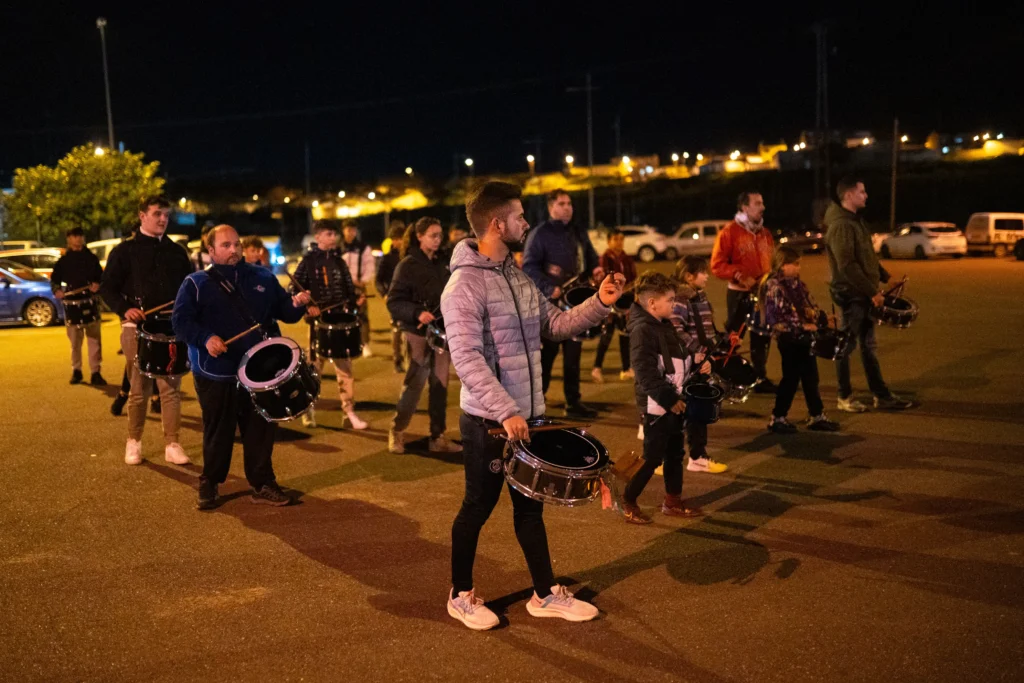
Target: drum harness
236, 298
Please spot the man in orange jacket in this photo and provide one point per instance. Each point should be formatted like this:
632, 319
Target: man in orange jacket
742, 255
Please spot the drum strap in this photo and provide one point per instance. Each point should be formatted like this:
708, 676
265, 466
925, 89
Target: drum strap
234, 296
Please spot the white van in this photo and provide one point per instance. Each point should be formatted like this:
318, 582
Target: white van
695, 237
994, 232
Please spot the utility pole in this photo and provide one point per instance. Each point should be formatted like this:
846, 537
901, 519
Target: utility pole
822, 156
895, 163
101, 24
618, 182
589, 89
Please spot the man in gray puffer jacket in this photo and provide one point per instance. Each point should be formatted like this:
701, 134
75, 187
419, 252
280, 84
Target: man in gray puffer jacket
494, 317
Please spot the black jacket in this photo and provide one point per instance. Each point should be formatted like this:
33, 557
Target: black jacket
143, 272
327, 278
653, 344
76, 269
416, 287
386, 270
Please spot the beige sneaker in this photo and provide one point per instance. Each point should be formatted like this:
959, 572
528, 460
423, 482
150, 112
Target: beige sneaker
640, 433
367, 352
355, 421
597, 376
396, 441
133, 452
174, 453
627, 374
443, 445
471, 611
309, 418
561, 604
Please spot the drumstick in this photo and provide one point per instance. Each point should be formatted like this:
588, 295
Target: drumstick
242, 334
498, 431
158, 308
301, 288
77, 291
734, 344
433, 313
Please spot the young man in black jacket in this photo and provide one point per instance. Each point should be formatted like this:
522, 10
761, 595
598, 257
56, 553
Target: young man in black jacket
385, 274
414, 301
78, 268
143, 272
661, 365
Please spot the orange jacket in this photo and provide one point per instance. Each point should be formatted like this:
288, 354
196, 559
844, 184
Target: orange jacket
739, 253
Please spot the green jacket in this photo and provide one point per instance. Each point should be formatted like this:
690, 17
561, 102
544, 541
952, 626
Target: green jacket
852, 263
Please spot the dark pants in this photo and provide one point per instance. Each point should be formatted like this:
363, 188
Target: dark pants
226, 405
482, 457
861, 327
606, 340
737, 305
663, 442
697, 435
571, 353
799, 366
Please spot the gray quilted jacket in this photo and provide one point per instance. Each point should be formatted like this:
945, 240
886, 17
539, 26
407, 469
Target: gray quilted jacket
493, 313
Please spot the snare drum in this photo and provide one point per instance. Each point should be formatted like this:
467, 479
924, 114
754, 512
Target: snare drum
338, 335
703, 402
160, 354
573, 297
897, 311
829, 344
562, 467
281, 384
621, 310
735, 377
81, 312
437, 338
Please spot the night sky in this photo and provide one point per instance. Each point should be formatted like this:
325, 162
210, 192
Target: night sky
376, 87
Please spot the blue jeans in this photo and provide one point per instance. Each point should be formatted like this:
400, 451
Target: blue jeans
861, 327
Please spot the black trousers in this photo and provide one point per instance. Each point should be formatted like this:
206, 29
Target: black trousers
226, 405
737, 305
663, 442
606, 340
697, 436
571, 353
799, 366
484, 480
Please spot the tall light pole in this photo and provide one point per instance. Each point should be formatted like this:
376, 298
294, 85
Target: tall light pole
589, 89
101, 24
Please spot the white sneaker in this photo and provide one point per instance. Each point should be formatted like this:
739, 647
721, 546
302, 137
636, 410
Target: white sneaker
640, 433
850, 405
133, 452
597, 376
367, 352
471, 611
396, 441
442, 445
562, 604
309, 418
627, 374
706, 465
174, 453
356, 421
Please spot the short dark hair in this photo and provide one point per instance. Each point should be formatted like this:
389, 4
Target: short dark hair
691, 264
485, 201
652, 283
75, 232
154, 200
744, 198
397, 230
349, 223
252, 242
423, 224
555, 194
845, 184
615, 232
324, 224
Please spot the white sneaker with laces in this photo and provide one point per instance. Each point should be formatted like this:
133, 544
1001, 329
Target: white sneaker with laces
850, 405
706, 464
309, 418
133, 452
396, 441
561, 604
471, 611
356, 421
640, 433
174, 453
367, 352
597, 376
442, 445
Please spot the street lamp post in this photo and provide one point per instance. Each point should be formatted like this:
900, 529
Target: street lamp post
532, 161
101, 24
589, 90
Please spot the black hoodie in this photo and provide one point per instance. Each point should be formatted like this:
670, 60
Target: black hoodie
658, 360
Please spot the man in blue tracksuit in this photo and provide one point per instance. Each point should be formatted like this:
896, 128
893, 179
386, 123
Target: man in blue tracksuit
558, 251
214, 305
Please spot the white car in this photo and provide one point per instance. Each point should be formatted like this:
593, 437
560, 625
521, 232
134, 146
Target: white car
998, 233
921, 240
642, 241
102, 248
40, 260
694, 237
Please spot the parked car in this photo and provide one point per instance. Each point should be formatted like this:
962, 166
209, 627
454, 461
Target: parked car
25, 296
641, 241
808, 241
102, 248
40, 261
921, 240
997, 233
694, 237
11, 245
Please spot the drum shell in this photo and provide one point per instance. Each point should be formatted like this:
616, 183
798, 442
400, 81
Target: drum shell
283, 397
897, 311
703, 402
81, 312
338, 336
829, 344
437, 337
541, 480
737, 377
159, 354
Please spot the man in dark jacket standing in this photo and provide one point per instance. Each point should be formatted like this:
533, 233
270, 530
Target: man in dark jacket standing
205, 314
558, 251
855, 279
143, 272
78, 268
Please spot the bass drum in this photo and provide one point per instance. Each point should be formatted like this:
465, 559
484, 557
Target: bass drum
573, 297
160, 354
561, 467
280, 382
736, 377
338, 334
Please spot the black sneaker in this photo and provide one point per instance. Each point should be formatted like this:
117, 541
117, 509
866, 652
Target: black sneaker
207, 494
117, 406
892, 402
765, 386
270, 494
821, 423
76, 377
579, 410
780, 425
97, 380
154, 406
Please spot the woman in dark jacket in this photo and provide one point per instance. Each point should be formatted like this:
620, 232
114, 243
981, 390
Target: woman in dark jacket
414, 302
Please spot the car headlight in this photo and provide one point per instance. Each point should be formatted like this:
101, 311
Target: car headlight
279, 260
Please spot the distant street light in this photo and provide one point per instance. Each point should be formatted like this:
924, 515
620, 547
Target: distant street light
255, 197
341, 195
803, 145
287, 200
625, 161
905, 138
686, 155
986, 136
675, 158
796, 148
408, 170
999, 137
469, 162
315, 203
101, 24
700, 157
977, 137
371, 196
866, 141
182, 202
99, 151
531, 161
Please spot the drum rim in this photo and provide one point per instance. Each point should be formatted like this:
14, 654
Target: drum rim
718, 399
273, 383
520, 448
551, 500
320, 325
578, 288
78, 302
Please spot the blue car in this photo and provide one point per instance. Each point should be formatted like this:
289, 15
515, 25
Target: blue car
26, 297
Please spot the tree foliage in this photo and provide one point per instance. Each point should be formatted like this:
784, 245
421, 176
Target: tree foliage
85, 190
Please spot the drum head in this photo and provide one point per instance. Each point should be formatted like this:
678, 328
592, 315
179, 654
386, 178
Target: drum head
268, 360
703, 391
577, 295
157, 329
898, 303
563, 448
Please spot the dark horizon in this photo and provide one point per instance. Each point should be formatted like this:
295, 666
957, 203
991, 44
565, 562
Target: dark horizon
219, 93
